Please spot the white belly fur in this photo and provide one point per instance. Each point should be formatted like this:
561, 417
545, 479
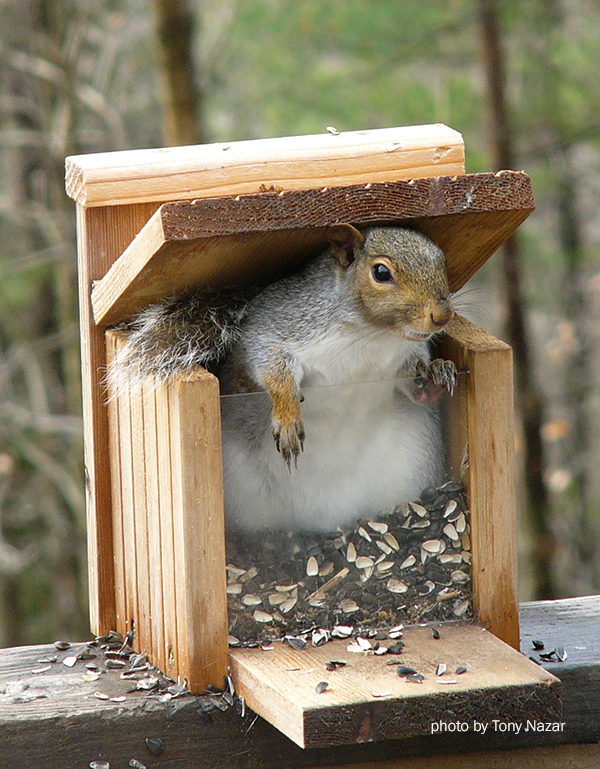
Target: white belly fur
367, 449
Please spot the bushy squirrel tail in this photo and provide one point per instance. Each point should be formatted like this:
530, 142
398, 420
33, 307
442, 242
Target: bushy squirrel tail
177, 335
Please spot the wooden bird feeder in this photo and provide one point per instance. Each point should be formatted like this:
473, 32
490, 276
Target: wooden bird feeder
155, 222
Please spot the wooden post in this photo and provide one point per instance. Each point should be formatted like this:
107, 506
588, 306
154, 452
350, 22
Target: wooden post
482, 433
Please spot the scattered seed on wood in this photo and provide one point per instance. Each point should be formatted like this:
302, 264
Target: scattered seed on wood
561, 653
296, 643
321, 687
417, 678
435, 633
537, 644
45, 669
447, 681
155, 746
440, 669
404, 670
396, 648
380, 694
62, 645
70, 661
460, 670
101, 696
115, 664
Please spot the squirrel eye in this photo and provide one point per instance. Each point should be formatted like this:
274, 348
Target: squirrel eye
381, 273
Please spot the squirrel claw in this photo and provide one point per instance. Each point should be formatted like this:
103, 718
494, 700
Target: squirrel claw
289, 440
433, 378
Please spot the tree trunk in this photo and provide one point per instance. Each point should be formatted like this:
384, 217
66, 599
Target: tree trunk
181, 93
528, 395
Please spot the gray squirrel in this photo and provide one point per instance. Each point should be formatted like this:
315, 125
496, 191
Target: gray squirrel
328, 369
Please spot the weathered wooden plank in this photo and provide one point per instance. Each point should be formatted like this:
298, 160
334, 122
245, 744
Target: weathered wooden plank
499, 680
70, 727
297, 162
483, 430
259, 237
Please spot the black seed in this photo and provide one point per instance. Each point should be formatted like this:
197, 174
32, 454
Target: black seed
435, 633
62, 645
338, 663
396, 648
460, 670
213, 689
296, 643
404, 670
533, 659
330, 666
321, 687
155, 746
537, 644
548, 655
416, 678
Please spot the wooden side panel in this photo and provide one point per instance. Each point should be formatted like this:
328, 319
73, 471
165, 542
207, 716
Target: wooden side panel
483, 433
103, 234
198, 530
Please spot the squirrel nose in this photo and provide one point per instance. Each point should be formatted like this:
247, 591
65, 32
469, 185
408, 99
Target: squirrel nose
442, 315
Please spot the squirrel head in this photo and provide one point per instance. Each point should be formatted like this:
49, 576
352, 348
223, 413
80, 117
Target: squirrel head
397, 276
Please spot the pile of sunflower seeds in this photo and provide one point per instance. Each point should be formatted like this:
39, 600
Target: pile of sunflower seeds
407, 566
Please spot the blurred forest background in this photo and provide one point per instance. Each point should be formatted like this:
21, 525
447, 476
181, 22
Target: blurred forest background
519, 80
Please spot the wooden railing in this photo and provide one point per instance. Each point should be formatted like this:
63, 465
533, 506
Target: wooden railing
63, 717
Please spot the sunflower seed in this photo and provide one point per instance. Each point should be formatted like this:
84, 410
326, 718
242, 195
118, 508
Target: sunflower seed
364, 562
312, 567
351, 553
248, 575
62, 645
445, 558
418, 509
404, 670
364, 643
408, 562
319, 637
395, 586
447, 681
450, 508
342, 631
326, 569
288, 605
234, 589
364, 533
460, 577
440, 669
276, 599
385, 566
262, 616
251, 600
286, 588
380, 694
460, 608
561, 653
380, 528
384, 547
391, 541
451, 532
296, 643
348, 606
433, 546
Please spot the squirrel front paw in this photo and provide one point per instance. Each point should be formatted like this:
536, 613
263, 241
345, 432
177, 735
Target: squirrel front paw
432, 379
289, 438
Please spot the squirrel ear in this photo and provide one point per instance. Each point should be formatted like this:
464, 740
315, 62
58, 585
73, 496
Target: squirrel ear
345, 241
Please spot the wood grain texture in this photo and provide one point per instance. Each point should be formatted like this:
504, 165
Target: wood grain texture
198, 530
260, 237
279, 686
245, 167
102, 234
482, 417
69, 727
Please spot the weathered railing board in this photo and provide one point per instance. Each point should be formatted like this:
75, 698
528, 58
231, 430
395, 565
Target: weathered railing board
70, 727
